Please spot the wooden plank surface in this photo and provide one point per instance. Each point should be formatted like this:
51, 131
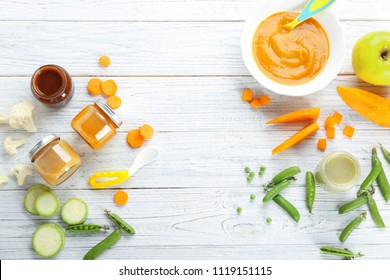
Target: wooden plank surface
179, 68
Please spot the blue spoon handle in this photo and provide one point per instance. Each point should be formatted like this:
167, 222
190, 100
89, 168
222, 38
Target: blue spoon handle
311, 9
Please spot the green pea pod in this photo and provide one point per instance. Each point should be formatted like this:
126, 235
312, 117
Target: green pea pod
288, 207
375, 213
310, 190
371, 177
284, 174
386, 153
120, 222
382, 181
103, 245
277, 189
86, 228
341, 252
351, 226
356, 203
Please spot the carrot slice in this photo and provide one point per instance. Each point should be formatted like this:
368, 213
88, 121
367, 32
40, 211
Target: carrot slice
146, 131
264, 99
300, 115
256, 103
349, 131
104, 61
330, 132
297, 138
321, 145
114, 102
247, 95
121, 197
337, 117
109, 88
95, 86
135, 139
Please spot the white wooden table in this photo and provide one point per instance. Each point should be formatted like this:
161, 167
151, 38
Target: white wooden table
179, 68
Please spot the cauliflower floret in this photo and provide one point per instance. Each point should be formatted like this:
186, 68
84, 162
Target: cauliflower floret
11, 145
3, 179
21, 117
21, 171
3, 118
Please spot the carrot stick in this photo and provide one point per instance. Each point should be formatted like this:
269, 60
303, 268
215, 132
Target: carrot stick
109, 88
146, 131
135, 139
298, 137
301, 115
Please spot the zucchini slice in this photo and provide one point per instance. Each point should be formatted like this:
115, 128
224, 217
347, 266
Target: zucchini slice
74, 211
48, 240
47, 204
31, 196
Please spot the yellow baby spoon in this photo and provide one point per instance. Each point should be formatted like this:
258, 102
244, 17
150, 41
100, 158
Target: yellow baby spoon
110, 178
312, 8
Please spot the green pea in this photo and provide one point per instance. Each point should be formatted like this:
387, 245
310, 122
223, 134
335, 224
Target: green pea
239, 210
249, 179
120, 222
386, 153
310, 190
375, 213
247, 169
356, 203
252, 196
262, 170
371, 177
277, 189
86, 228
288, 207
252, 174
103, 245
382, 181
284, 175
269, 220
341, 252
351, 226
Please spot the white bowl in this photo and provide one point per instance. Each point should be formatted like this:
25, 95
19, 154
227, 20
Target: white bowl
331, 26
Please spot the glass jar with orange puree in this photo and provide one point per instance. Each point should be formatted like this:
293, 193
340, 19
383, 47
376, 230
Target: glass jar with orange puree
96, 124
54, 159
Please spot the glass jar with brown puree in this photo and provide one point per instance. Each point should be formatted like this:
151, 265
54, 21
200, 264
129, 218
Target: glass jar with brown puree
290, 57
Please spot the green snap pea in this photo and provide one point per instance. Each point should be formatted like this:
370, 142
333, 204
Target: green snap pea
375, 213
120, 222
288, 207
351, 226
386, 153
284, 175
356, 203
382, 181
103, 245
85, 228
310, 190
277, 189
371, 177
341, 252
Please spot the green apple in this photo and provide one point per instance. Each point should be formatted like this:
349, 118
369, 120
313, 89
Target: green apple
371, 58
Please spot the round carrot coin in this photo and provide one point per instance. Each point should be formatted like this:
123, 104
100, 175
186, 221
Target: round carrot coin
114, 102
95, 86
109, 88
121, 197
104, 61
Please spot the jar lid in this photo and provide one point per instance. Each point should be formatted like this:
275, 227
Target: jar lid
41, 144
110, 113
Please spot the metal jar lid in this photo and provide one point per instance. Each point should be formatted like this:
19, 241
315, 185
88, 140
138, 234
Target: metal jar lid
109, 112
41, 144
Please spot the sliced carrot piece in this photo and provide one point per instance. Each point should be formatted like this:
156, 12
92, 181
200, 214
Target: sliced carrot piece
330, 122
121, 197
297, 138
104, 61
247, 95
349, 131
256, 103
296, 116
135, 139
330, 132
95, 86
146, 131
337, 117
109, 87
114, 102
321, 145
264, 99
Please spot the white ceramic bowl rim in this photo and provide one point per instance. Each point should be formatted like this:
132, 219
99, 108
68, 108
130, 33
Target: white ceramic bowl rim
336, 41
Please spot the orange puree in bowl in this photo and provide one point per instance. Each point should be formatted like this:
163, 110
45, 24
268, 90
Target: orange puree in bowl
290, 57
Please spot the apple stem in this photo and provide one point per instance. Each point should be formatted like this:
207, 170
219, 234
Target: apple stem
385, 54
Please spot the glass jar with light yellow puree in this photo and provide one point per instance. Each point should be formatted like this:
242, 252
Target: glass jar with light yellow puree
54, 159
338, 172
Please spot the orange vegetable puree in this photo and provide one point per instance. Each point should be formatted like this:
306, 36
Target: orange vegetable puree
290, 57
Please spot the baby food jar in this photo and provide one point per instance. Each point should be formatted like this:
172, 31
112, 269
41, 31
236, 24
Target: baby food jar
338, 172
96, 124
54, 159
52, 86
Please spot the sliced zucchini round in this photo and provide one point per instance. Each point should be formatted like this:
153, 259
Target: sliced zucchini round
31, 195
47, 204
48, 240
74, 211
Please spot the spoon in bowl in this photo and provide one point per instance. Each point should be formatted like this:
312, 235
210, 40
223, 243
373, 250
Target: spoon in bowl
312, 8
